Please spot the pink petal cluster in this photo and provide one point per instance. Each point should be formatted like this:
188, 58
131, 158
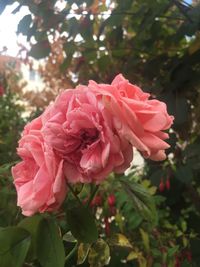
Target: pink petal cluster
86, 134
136, 118
39, 178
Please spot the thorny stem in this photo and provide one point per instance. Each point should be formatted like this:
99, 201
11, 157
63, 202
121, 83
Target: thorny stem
71, 253
75, 195
93, 193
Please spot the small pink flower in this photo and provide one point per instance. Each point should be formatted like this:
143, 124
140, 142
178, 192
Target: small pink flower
38, 179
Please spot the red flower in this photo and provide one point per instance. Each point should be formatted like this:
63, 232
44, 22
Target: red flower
111, 200
97, 201
167, 184
161, 186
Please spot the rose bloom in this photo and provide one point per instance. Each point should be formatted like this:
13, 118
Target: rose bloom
136, 118
87, 133
38, 178
81, 131
94, 128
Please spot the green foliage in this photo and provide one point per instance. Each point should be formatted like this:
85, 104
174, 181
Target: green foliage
23, 26
14, 244
32, 224
40, 50
83, 251
141, 200
11, 124
50, 249
81, 223
120, 240
99, 254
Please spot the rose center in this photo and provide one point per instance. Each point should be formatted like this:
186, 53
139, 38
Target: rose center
88, 136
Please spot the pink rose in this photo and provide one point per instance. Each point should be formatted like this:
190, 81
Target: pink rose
81, 130
86, 134
138, 119
38, 179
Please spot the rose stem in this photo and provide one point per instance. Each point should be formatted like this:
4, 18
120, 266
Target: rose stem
92, 195
75, 195
71, 253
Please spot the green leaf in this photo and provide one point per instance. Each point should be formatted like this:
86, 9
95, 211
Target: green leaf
82, 224
142, 201
31, 224
86, 28
104, 62
50, 249
156, 177
145, 239
133, 255
99, 254
120, 240
90, 54
24, 25
69, 49
172, 251
119, 220
40, 36
78, 188
14, 245
184, 174
6, 167
40, 50
185, 263
68, 237
181, 106
32, 32
73, 27
83, 251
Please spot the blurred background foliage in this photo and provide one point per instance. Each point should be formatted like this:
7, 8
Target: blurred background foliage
156, 45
